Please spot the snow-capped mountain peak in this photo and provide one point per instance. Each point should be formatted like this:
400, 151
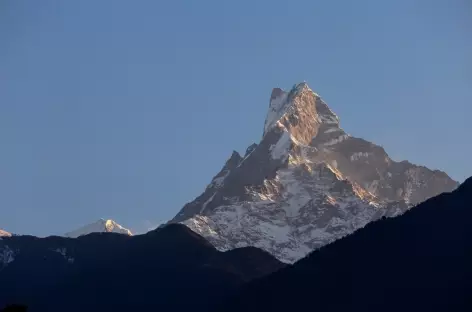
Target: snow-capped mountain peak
102, 225
305, 184
4, 233
298, 108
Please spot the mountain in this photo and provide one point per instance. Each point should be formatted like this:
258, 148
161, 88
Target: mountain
170, 268
4, 233
101, 225
419, 261
305, 184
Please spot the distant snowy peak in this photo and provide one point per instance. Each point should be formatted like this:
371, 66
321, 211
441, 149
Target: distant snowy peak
4, 233
100, 226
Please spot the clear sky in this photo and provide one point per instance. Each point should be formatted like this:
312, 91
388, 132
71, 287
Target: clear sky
126, 109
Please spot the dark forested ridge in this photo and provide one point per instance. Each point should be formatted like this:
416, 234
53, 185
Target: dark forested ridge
171, 268
14, 308
421, 261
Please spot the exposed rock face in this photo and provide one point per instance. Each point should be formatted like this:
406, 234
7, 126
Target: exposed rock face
306, 183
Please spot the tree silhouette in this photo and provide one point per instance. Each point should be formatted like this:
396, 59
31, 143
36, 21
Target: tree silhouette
15, 308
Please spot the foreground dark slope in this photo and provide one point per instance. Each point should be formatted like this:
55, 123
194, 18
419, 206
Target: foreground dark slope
421, 261
171, 268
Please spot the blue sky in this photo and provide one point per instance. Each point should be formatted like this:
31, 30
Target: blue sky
126, 109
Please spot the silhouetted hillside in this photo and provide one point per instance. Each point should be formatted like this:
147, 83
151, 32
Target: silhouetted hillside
171, 268
15, 308
421, 261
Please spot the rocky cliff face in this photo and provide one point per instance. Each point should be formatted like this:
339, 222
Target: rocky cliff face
305, 184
